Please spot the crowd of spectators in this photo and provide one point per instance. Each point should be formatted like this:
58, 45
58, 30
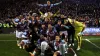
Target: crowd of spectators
11, 9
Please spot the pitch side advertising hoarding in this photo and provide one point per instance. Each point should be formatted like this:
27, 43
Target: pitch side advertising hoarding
91, 31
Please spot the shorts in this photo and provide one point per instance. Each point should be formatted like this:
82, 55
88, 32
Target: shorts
25, 41
64, 32
23, 36
20, 34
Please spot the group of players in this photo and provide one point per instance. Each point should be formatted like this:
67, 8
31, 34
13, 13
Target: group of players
48, 32
37, 33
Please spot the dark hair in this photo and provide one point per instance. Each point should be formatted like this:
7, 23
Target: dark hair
63, 36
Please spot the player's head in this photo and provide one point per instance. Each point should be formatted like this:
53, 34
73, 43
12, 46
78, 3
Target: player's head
43, 26
57, 38
50, 27
46, 20
48, 2
70, 20
41, 37
59, 22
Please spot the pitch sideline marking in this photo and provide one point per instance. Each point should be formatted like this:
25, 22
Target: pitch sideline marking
92, 43
75, 39
7, 40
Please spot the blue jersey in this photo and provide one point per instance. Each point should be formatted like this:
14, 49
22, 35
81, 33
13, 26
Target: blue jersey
51, 5
16, 20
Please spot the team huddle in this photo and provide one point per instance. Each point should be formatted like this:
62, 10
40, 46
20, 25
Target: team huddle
57, 35
49, 31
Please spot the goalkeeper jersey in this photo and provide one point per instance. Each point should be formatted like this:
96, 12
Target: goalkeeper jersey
77, 25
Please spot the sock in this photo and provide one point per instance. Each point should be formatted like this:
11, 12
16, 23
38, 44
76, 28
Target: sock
34, 52
18, 42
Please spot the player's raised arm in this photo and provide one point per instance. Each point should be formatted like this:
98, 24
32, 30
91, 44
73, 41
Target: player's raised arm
42, 5
56, 13
67, 27
40, 12
58, 3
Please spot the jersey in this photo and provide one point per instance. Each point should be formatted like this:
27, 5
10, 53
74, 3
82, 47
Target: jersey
52, 33
78, 26
20, 27
49, 7
25, 34
61, 47
16, 20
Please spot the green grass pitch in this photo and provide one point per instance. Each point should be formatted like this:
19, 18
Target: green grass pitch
8, 46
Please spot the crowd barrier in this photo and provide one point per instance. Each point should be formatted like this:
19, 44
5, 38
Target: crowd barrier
7, 30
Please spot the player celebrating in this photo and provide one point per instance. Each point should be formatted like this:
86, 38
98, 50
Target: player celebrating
71, 32
61, 47
79, 27
16, 21
49, 5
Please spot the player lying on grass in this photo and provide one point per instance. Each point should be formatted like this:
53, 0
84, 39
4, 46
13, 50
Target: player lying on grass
79, 27
61, 47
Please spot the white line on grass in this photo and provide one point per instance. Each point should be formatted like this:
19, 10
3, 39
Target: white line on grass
75, 39
92, 43
92, 39
7, 40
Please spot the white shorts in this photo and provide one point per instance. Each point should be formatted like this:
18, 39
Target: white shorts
25, 42
23, 36
64, 32
20, 34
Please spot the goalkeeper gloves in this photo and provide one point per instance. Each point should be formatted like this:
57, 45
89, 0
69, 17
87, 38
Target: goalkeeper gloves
81, 33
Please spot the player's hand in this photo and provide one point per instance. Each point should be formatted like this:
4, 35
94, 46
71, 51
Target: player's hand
30, 35
60, 33
62, 25
81, 33
31, 54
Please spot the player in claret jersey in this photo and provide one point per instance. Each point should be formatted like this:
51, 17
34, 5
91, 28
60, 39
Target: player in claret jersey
61, 47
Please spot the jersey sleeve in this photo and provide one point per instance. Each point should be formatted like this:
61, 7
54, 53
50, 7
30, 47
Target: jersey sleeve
57, 3
42, 5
